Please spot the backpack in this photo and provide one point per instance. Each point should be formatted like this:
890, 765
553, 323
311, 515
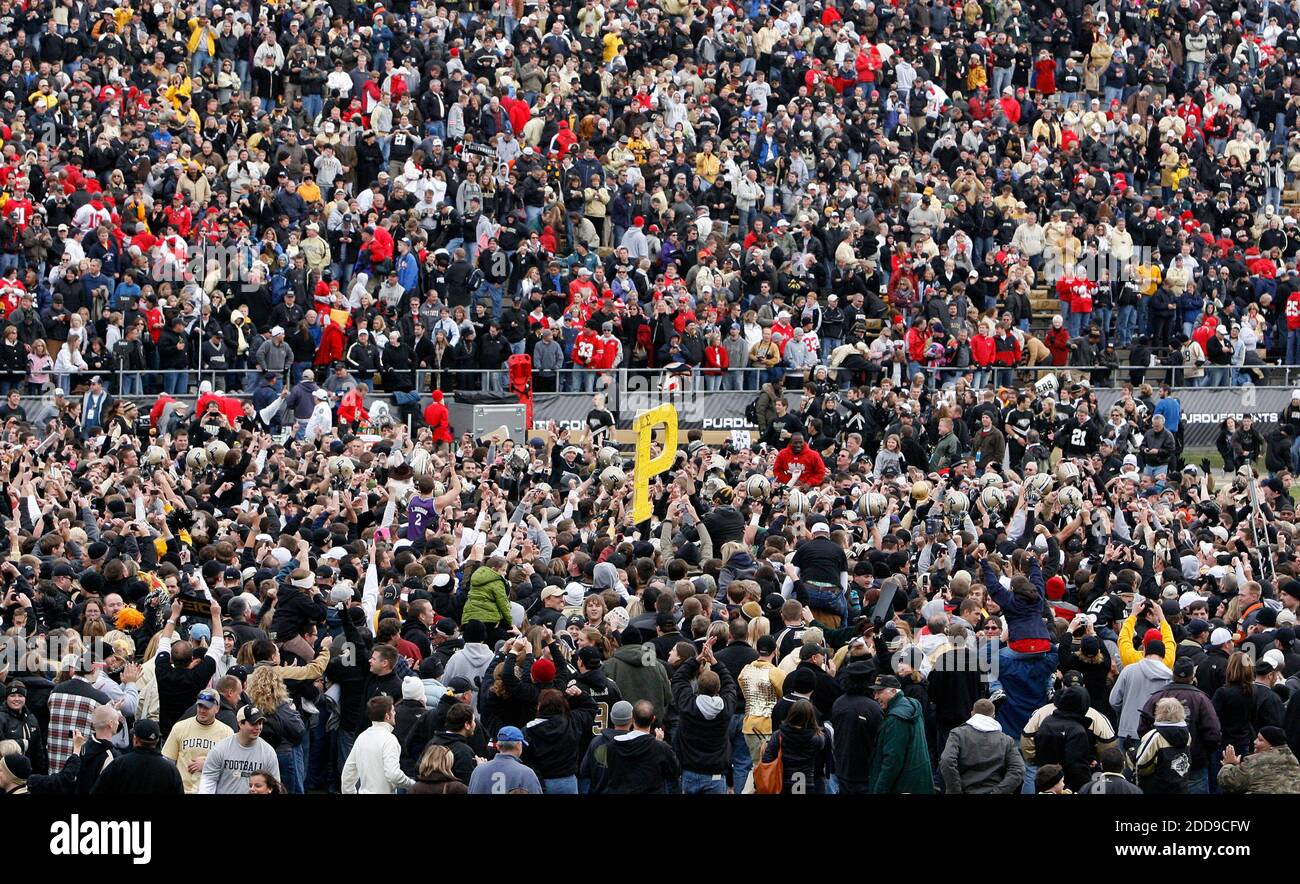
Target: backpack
769, 776
751, 411
474, 280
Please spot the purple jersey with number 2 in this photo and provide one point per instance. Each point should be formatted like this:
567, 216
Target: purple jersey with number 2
419, 513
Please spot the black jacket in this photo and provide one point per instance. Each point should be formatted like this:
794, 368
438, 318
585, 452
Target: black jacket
635, 763
140, 772
1064, 738
554, 741
1212, 671
94, 755
23, 727
856, 720
178, 688
1236, 711
702, 743
955, 685
801, 759
417, 634
462, 754
1202, 721
294, 609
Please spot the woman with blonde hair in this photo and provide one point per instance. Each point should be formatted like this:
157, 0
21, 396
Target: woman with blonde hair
889, 455
70, 364
284, 728
39, 367
434, 776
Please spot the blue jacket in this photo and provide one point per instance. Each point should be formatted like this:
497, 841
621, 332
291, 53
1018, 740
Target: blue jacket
1025, 678
1024, 617
408, 272
503, 775
1172, 410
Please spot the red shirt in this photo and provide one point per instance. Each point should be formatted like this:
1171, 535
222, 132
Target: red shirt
20, 211
806, 467
153, 320
586, 348
181, 218
1293, 311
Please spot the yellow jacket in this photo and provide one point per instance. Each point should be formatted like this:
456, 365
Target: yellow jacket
707, 166
51, 100
1129, 655
200, 33
177, 91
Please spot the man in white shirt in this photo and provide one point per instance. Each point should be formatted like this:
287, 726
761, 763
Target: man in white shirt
374, 765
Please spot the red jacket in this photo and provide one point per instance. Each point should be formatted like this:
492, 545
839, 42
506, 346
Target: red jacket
606, 353
1009, 352
381, 247
1058, 341
982, 350
811, 468
1263, 267
1077, 292
518, 111
332, 344
917, 340
352, 408
716, 361
435, 415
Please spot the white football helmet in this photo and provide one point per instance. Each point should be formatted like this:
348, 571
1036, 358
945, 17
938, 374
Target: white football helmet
1039, 484
993, 498
955, 503
519, 459
796, 502
612, 478
196, 459
1071, 499
873, 504
757, 486
217, 451
1067, 471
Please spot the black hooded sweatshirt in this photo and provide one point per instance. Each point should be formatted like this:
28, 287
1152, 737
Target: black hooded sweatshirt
554, 741
638, 764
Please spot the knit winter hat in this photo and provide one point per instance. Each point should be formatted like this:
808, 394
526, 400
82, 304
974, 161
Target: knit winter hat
543, 671
17, 767
412, 688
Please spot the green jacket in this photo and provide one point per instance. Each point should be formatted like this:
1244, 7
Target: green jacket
640, 675
900, 761
946, 450
488, 601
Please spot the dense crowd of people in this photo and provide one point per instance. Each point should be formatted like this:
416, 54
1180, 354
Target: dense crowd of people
900, 603
924, 573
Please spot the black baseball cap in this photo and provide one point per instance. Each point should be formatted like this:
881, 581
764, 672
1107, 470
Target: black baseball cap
146, 731
250, 714
885, 682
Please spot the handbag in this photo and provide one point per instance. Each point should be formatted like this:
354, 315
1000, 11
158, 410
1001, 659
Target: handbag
769, 776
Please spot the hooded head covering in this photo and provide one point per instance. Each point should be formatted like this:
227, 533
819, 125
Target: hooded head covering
605, 576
